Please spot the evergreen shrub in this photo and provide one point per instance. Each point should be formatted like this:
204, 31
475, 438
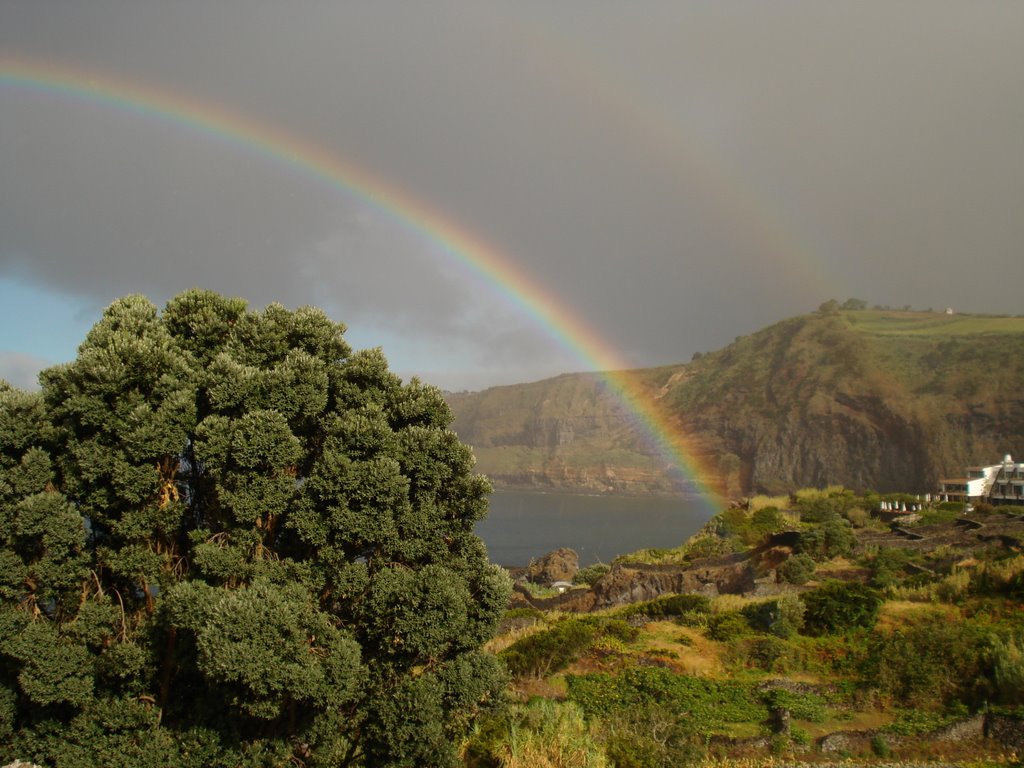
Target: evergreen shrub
837, 606
727, 626
710, 704
651, 736
782, 617
226, 538
590, 574
549, 650
797, 569
801, 706
668, 606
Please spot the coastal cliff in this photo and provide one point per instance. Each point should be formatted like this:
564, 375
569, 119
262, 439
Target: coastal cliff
890, 400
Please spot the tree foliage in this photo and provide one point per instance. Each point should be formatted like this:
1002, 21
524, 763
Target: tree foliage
782, 617
750, 528
797, 569
837, 606
551, 649
832, 538
227, 539
933, 661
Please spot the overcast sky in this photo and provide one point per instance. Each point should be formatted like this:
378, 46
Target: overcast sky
671, 175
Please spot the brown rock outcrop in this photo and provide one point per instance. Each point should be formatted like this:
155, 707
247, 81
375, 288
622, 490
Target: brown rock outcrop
632, 582
560, 565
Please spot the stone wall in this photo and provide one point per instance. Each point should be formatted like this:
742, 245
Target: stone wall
1005, 730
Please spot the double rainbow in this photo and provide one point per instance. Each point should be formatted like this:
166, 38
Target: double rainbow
457, 241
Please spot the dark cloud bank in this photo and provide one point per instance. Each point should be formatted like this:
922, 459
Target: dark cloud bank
676, 174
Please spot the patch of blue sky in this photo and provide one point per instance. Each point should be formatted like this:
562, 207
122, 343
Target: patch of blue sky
41, 322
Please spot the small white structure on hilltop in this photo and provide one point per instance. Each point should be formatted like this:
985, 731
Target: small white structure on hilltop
997, 484
949, 311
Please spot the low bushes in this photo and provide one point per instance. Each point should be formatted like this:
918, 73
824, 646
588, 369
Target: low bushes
651, 736
941, 514
562, 643
1007, 659
538, 734
727, 626
549, 650
591, 574
836, 606
519, 618
551, 734
1001, 577
711, 546
668, 606
751, 527
832, 538
782, 617
932, 662
797, 569
807, 706
707, 704
765, 652
914, 722
888, 566
818, 506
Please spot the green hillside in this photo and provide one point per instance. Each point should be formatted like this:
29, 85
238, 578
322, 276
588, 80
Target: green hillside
868, 399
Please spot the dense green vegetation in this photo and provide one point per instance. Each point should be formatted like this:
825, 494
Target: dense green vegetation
226, 539
897, 640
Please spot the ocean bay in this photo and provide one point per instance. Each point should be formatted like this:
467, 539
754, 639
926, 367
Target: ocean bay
525, 525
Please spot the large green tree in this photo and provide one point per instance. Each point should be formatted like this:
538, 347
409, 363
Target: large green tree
228, 539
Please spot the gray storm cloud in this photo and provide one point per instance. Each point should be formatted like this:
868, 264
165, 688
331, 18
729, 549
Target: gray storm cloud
673, 174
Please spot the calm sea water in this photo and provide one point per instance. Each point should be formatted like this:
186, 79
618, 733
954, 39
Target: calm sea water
522, 526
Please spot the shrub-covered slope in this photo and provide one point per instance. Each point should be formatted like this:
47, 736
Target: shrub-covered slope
852, 641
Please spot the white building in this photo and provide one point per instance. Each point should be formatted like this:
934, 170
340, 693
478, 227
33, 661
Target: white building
1008, 483
997, 484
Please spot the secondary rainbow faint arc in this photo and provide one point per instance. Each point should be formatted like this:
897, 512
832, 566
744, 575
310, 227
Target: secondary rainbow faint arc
458, 242
691, 157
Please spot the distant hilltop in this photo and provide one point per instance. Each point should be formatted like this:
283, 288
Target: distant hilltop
867, 398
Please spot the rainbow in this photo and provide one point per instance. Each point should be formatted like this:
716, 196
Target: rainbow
676, 145
458, 242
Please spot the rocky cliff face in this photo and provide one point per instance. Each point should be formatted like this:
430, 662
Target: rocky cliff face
567, 433
859, 445
816, 401
889, 401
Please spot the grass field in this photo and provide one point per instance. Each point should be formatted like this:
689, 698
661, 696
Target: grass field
900, 323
